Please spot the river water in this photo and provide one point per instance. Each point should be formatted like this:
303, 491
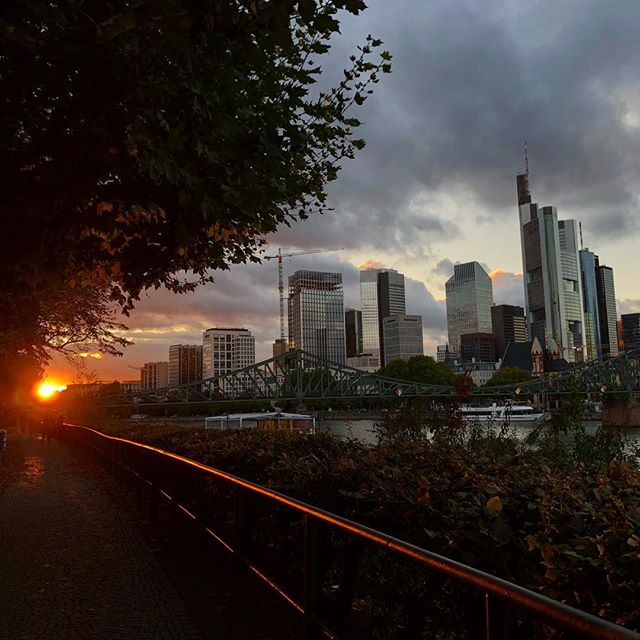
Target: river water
364, 430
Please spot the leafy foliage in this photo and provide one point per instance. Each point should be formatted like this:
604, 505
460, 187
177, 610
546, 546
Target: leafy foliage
508, 375
568, 528
147, 143
158, 137
423, 369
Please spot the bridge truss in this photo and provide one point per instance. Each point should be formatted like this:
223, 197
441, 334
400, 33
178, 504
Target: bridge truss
297, 375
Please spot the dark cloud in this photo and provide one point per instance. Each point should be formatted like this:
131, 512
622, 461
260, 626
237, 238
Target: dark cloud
444, 268
471, 81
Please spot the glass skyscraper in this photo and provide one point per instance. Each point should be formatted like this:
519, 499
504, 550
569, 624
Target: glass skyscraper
607, 311
552, 278
316, 314
469, 298
381, 295
588, 262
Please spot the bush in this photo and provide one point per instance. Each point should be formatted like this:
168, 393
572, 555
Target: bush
564, 526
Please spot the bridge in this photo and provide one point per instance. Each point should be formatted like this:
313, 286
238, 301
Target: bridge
298, 375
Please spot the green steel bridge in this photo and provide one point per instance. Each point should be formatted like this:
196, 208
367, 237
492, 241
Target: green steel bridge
297, 375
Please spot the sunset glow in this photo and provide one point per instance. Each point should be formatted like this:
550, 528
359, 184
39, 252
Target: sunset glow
46, 390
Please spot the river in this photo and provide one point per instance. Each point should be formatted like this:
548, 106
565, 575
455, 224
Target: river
364, 430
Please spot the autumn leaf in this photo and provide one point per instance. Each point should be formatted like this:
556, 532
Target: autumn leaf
494, 505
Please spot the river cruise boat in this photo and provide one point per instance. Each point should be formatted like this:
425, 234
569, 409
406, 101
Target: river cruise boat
275, 420
502, 414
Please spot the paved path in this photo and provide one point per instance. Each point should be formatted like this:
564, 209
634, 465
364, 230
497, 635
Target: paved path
73, 566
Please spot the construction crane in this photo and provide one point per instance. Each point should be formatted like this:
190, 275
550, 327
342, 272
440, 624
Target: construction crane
278, 256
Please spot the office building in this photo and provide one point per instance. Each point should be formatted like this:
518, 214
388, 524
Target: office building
227, 349
478, 347
607, 312
552, 280
469, 299
185, 364
631, 331
588, 263
154, 375
619, 332
402, 337
572, 285
442, 353
508, 325
279, 347
365, 362
382, 294
353, 332
130, 386
316, 314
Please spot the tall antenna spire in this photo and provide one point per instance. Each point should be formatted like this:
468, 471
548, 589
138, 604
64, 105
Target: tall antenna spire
524, 192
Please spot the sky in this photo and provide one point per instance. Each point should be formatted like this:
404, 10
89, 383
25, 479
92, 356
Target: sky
435, 184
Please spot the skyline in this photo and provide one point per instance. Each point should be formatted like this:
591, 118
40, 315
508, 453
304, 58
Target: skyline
435, 184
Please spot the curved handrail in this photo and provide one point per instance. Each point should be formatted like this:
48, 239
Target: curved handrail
539, 606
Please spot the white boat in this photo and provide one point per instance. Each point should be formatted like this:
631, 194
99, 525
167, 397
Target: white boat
269, 420
502, 414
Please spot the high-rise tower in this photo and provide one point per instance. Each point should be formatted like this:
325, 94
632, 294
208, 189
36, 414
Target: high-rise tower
593, 344
316, 314
381, 295
469, 298
607, 312
551, 274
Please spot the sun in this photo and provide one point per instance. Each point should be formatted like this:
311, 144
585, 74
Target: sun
46, 390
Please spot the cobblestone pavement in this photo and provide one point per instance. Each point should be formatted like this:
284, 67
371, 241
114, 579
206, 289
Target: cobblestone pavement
73, 566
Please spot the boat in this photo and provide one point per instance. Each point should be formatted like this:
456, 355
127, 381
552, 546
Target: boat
503, 414
273, 420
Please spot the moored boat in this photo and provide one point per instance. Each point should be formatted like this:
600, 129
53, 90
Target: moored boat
506, 413
274, 420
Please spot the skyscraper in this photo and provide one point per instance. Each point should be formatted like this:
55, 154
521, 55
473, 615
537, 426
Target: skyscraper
353, 332
588, 262
185, 364
469, 298
572, 285
478, 347
316, 314
607, 313
402, 337
508, 325
381, 295
631, 331
552, 279
227, 349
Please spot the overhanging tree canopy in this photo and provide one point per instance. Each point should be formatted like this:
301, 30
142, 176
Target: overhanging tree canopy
146, 138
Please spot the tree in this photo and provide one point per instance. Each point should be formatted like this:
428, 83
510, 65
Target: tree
69, 321
423, 369
148, 142
147, 139
508, 375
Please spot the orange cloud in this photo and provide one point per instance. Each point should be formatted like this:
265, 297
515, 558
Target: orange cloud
85, 354
371, 264
499, 272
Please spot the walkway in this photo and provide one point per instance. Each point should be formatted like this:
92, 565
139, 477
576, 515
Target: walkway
72, 564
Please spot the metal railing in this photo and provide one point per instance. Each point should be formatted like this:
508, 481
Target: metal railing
317, 563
